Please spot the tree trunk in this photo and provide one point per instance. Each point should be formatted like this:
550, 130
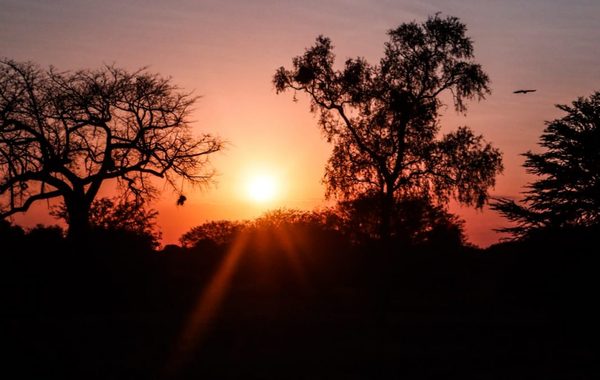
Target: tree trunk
387, 208
386, 271
78, 218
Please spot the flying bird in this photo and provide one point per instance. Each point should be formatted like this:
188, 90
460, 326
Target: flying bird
523, 91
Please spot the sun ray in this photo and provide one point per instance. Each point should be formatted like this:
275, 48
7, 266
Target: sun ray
293, 254
207, 306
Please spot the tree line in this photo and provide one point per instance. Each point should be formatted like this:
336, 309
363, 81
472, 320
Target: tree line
65, 134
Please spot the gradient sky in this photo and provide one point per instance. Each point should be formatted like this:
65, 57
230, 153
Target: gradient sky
227, 52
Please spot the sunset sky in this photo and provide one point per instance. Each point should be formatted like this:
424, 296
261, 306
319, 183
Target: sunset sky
228, 51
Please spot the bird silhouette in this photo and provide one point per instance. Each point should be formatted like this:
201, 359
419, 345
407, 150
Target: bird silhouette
523, 91
181, 200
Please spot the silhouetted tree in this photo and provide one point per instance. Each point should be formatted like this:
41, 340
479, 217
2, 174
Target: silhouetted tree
223, 232
114, 215
383, 119
9, 233
45, 237
414, 221
62, 135
220, 232
313, 224
286, 217
568, 192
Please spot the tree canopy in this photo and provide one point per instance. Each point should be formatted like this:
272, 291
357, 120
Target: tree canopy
414, 222
568, 192
63, 134
383, 120
120, 216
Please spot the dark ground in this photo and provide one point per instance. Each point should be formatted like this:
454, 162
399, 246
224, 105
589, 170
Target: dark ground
307, 311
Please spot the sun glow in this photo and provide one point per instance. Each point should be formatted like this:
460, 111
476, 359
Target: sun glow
262, 188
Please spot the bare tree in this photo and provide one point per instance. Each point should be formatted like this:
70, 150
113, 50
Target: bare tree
63, 134
383, 119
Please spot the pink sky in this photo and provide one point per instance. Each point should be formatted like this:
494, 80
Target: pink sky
227, 52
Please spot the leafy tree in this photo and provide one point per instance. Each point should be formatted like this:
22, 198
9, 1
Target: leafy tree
223, 232
45, 237
114, 215
64, 134
568, 192
383, 119
286, 217
10, 233
220, 232
414, 221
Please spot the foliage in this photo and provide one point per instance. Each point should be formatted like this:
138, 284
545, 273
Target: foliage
221, 232
9, 232
415, 222
383, 119
568, 193
45, 236
63, 134
294, 218
113, 215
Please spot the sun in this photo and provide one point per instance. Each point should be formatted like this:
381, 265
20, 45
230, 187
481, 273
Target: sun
262, 188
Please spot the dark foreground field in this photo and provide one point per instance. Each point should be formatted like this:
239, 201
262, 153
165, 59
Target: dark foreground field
272, 308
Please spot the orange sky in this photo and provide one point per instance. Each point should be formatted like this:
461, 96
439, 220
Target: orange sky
227, 51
